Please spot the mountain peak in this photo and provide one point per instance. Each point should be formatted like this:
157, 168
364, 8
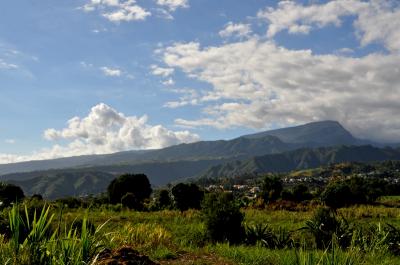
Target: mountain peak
318, 133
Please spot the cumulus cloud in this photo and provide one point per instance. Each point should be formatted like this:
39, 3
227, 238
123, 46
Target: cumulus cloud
105, 130
118, 10
129, 10
236, 30
109, 71
377, 21
256, 83
380, 23
172, 5
297, 18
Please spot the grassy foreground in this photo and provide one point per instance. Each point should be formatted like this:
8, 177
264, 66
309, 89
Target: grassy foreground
172, 237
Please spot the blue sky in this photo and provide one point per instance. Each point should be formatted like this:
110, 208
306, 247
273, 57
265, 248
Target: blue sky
148, 74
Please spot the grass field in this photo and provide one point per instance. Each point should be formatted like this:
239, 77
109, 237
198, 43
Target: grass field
173, 237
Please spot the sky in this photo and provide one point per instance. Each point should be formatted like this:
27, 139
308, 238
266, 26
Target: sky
84, 77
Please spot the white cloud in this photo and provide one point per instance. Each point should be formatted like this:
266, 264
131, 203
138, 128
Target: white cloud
118, 10
380, 23
236, 30
256, 83
85, 64
169, 82
157, 70
105, 130
10, 141
376, 20
189, 97
300, 19
345, 51
172, 5
109, 71
7, 66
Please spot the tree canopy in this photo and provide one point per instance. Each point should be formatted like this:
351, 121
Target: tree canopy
187, 196
10, 193
136, 184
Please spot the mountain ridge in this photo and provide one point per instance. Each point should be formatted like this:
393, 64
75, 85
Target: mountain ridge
315, 134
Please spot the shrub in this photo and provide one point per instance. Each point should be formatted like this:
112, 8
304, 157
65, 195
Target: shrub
70, 202
223, 218
301, 193
324, 225
37, 197
336, 195
267, 237
353, 191
271, 188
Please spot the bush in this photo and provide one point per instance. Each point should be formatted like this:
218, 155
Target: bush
223, 218
271, 188
353, 191
324, 225
187, 196
336, 195
70, 202
267, 237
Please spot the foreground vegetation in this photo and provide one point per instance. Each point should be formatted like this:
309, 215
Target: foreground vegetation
66, 236
352, 219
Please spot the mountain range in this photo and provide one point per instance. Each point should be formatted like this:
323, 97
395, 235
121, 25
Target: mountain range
303, 146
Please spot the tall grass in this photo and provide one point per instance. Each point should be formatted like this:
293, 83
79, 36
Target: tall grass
32, 240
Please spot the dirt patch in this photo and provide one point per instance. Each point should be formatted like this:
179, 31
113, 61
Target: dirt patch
196, 259
125, 255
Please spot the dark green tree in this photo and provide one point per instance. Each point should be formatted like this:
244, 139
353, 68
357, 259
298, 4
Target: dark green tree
10, 193
300, 193
137, 184
163, 199
187, 196
271, 188
129, 200
223, 218
336, 195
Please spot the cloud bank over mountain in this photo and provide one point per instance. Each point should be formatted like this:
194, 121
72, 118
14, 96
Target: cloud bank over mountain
258, 83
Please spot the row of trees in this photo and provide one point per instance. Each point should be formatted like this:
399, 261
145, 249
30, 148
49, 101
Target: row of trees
132, 190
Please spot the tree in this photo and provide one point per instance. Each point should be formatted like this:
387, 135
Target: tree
337, 195
129, 200
187, 196
223, 218
300, 193
137, 184
10, 193
163, 199
272, 188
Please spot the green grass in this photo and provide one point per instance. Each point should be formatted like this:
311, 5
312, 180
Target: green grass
172, 237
